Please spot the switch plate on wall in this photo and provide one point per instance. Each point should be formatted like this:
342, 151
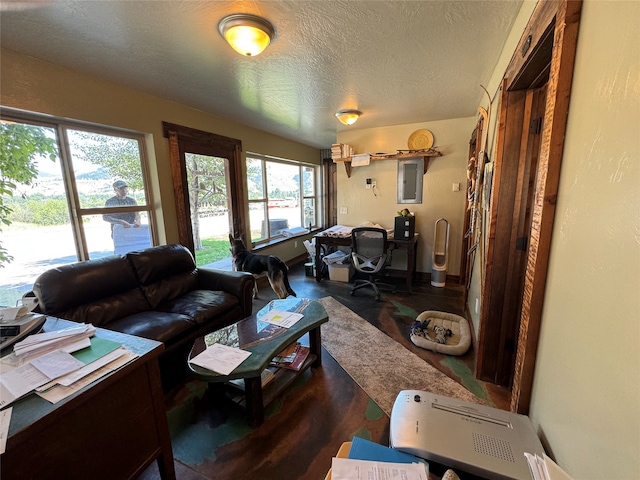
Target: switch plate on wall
343, 210
456, 187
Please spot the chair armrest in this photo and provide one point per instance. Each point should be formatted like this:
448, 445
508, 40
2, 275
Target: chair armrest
239, 284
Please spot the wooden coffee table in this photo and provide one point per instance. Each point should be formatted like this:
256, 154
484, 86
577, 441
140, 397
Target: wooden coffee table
264, 341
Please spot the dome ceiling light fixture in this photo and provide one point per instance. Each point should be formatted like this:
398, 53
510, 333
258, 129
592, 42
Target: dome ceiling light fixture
348, 117
247, 34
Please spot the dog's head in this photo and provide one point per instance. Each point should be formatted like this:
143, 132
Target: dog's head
237, 246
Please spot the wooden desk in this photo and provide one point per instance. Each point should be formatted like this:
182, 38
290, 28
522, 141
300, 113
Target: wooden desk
411, 246
113, 428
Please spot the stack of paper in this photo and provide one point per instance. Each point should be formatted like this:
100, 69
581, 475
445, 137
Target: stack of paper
69, 340
544, 468
56, 365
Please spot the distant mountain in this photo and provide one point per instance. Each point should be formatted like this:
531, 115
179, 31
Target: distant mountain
99, 174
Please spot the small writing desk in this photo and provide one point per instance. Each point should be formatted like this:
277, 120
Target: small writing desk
410, 245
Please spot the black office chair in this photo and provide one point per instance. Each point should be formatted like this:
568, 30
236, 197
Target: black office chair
369, 254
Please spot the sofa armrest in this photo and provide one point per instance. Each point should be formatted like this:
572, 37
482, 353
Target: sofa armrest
239, 284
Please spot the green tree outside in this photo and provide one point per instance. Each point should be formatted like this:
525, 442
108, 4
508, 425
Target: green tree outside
20, 146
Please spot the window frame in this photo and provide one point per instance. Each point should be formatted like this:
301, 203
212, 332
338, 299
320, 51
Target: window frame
316, 197
61, 126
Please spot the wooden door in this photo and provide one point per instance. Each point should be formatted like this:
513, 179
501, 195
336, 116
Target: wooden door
545, 53
189, 148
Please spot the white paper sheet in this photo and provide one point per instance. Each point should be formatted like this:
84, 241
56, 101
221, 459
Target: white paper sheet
360, 160
281, 318
56, 364
20, 381
349, 469
5, 420
73, 377
60, 392
220, 358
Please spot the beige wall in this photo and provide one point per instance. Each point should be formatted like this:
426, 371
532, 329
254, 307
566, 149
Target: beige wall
39, 86
439, 200
586, 393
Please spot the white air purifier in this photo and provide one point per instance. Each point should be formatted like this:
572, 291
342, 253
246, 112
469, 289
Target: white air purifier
440, 255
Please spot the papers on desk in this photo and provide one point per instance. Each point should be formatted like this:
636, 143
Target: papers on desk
350, 469
220, 358
339, 231
69, 340
43, 361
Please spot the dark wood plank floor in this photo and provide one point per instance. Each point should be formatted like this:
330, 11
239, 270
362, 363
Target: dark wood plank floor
302, 432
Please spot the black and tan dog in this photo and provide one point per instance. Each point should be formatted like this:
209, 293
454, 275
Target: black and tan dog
276, 269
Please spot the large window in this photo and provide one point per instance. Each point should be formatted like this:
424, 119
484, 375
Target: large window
283, 197
69, 192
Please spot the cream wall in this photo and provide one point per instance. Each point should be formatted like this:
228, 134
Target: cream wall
439, 200
586, 391
586, 394
35, 85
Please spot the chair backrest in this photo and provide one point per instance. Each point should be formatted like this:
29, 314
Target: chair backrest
369, 241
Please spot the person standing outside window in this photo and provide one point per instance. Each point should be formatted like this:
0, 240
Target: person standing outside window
120, 199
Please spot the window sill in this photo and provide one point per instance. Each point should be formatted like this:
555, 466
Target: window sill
279, 240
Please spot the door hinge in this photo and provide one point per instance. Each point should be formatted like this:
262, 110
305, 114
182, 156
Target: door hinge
521, 244
536, 126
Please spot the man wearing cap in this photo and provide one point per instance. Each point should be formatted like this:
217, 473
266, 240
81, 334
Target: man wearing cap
126, 219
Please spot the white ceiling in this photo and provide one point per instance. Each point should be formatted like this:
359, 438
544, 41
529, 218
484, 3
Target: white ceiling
397, 61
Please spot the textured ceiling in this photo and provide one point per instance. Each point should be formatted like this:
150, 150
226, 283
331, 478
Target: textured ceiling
397, 61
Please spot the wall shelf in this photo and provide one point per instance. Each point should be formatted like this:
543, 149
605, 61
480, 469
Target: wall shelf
426, 154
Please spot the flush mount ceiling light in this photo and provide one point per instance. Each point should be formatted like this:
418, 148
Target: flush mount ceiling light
348, 117
247, 34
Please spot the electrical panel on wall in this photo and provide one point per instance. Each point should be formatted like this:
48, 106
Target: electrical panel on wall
410, 173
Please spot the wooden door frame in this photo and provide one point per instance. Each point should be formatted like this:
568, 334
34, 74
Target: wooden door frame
180, 138
563, 16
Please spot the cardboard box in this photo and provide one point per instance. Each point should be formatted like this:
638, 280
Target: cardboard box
341, 272
404, 228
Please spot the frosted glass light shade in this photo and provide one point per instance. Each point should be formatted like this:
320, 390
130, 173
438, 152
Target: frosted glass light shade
348, 117
247, 34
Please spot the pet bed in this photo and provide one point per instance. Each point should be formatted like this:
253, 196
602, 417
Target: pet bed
441, 332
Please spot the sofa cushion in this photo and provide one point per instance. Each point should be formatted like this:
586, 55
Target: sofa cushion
73, 285
201, 305
160, 326
103, 312
165, 273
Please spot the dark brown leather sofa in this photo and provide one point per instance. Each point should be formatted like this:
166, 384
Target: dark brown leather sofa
157, 293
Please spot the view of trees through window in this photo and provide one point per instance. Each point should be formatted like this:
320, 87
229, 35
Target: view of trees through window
208, 197
282, 197
60, 205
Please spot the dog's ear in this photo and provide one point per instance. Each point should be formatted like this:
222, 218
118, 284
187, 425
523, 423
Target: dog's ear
231, 239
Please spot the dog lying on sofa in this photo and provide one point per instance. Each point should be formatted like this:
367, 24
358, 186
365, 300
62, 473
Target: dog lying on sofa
276, 269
